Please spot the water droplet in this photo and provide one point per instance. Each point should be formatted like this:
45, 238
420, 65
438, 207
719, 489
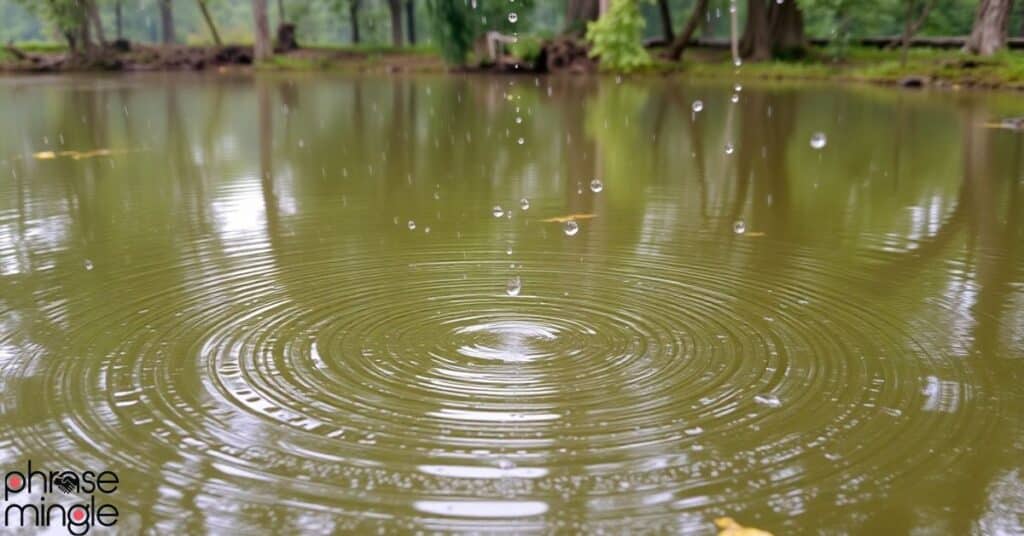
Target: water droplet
735, 98
498, 211
513, 17
737, 62
737, 88
739, 227
88, 264
571, 228
519, 120
697, 106
696, 430
505, 464
818, 140
596, 185
412, 225
771, 401
521, 141
514, 286
729, 149
524, 204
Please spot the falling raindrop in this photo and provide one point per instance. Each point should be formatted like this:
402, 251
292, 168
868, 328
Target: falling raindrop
524, 204
571, 228
498, 211
739, 227
521, 141
735, 98
737, 62
697, 106
514, 286
513, 17
729, 149
818, 140
770, 401
88, 264
596, 185
412, 225
737, 88
519, 120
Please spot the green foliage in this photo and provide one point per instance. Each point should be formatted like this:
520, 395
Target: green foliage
527, 47
456, 24
452, 22
66, 15
616, 38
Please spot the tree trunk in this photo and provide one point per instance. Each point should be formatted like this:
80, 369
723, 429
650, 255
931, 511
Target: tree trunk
209, 21
578, 13
682, 40
353, 19
93, 13
773, 29
166, 22
787, 28
395, 9
908, 25
280, 12
261, 50
988, 35
912, 26
410, 20
756, 44
666, 20
118, 20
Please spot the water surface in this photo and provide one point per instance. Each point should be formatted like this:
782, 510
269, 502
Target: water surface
285, 302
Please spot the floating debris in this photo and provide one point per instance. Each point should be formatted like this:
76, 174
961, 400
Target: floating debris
728, 526
570, 217
75, 155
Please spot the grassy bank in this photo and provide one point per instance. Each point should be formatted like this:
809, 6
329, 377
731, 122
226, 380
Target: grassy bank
935, 67
928, 66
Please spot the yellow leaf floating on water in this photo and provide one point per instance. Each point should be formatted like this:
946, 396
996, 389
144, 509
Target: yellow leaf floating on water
75, 155
570, 217
1010, 124
728, 526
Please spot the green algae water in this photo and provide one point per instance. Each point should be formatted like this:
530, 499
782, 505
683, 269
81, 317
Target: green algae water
346, 304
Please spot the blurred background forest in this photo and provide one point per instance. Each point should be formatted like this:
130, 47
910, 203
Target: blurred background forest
329, 22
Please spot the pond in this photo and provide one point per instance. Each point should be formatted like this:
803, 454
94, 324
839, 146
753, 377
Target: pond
558, 304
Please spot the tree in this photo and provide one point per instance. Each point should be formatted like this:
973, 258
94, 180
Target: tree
70, 18
774, 29
617, 36
578, 13
675, 51
410, 20
395, 9
118, 20
456, 24
93, 13
988, 35
262, 50
666, 20
911, 25
209, 21
166, 22
353, 19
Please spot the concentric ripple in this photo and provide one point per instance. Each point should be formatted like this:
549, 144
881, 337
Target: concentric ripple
628, 386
